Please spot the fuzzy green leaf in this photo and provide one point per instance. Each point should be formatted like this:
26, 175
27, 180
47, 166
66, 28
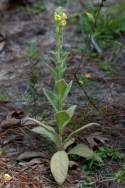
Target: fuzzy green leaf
82, 150
59, 166
51, 98
74, 133
71, 110
53, 72
62, 119
62, 88
47, 132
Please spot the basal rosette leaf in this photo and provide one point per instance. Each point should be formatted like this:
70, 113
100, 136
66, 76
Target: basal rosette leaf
47, 132
77, 131
82, 150
59, 166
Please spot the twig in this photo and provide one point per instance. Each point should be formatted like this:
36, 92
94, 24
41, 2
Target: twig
85, 93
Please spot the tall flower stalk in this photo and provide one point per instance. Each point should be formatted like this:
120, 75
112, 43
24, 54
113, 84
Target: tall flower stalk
60, 160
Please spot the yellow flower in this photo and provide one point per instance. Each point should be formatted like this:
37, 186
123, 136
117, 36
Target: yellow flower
64, 16
7, 177
57, 17
63, 22
60, 17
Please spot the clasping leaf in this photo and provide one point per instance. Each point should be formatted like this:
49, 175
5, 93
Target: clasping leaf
64, 117
62, 88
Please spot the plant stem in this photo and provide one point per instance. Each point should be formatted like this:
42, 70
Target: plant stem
59, 45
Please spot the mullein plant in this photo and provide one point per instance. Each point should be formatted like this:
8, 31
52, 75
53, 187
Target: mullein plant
60, 160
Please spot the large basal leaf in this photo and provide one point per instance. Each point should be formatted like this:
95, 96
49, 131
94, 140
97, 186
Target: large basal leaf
62, 119
51, 98
82, 150
74, 133
62, 88
59, 166
47, 132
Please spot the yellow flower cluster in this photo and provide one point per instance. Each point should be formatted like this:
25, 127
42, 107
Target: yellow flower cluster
60, 17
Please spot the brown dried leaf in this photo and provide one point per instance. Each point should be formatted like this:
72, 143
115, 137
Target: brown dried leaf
9, 123
95, 138
13, 118
30, 155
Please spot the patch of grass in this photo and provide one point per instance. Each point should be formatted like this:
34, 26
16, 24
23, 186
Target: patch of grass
33, 53
92, 165
119, 176
35, 9
110, 153
105, 27
103, 153
107, 68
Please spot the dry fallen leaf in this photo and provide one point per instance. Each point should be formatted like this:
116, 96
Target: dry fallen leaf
30, 155
13, 118
95, 138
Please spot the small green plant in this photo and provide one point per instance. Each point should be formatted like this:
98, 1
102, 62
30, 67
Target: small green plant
107, 68
60, 160
92, 164
110, 153
119, 176
35, 9
101, 28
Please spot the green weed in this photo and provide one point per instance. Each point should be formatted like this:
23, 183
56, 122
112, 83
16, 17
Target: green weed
107, 68
103, 26
119, 176
34, 9
110, 153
